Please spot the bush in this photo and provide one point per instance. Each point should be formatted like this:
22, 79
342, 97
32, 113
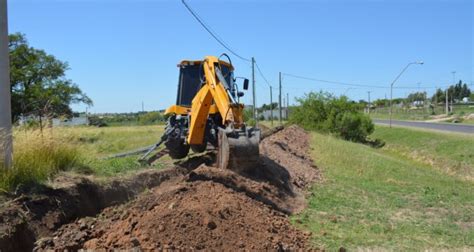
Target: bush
251, 122
38, 156
326, 113
247, 114
97, 121
354, 127
150, 118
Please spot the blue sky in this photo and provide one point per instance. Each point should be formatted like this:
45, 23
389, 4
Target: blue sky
124, 52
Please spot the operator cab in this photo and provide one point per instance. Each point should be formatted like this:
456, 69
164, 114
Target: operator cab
191, 78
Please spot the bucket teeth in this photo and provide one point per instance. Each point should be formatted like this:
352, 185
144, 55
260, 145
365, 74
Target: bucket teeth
238, 150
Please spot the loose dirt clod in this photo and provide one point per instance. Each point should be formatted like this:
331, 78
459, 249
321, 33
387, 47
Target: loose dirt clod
208, 208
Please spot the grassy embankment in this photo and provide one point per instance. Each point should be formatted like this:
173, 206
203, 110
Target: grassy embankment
38, 156
415, 193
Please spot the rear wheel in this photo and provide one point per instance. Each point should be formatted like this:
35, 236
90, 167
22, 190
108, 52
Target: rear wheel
177, 150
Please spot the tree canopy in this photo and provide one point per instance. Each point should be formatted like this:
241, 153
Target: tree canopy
455, 92
38, 83
416, 97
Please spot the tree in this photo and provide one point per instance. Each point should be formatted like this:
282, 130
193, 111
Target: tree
458, 92
38, 83
439, 96
418, 97
455, 93
268, 106
381, 102
465, 91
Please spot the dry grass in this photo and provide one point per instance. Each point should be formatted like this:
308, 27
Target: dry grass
38, 156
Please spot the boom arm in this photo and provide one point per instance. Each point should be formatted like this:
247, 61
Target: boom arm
212, 90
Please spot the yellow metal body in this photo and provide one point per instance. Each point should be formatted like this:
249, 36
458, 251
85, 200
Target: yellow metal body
212, 98
185, 110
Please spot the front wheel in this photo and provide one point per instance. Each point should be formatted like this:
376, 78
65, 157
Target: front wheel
199, 148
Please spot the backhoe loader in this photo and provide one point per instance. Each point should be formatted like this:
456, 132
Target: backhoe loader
208, 113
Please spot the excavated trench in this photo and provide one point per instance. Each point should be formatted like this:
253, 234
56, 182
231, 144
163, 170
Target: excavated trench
190, 206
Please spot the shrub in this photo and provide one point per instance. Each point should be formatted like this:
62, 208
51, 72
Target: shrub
97, 121
150, 118
38, 156
251, 122
327, 113
247, 114
354, 127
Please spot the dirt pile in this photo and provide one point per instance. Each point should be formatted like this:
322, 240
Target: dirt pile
198, 215
289, 148
202, 207
40, 213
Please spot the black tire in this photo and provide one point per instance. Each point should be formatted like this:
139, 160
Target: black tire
177, 150
199, 148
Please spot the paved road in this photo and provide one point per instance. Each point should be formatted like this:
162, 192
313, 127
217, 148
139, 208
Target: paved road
461, 128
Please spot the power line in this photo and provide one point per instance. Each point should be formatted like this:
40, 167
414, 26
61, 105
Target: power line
213, 34
261, 74
356, 85
332, 82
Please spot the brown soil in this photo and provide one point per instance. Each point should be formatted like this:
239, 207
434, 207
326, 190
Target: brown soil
202, 207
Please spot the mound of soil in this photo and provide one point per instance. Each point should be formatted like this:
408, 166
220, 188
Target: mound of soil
289, 148
197, 215
40, 213
202, 207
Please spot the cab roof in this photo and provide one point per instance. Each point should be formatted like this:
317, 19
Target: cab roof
198, 62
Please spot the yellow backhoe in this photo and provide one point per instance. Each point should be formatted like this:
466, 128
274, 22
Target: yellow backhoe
208, 113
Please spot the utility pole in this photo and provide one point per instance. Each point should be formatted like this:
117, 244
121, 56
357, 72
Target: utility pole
368, 92
271, 106
143, 107
452, 95
447, 103
284, 103
279, 98
253, 92
6, 146
287, 106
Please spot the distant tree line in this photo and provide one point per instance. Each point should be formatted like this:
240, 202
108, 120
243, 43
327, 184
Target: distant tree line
456, 93
138, 118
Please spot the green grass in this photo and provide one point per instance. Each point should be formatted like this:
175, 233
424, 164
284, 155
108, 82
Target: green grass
401, 114
379, 199
39, 156
420, 113
451, 153
99, 143
102, 142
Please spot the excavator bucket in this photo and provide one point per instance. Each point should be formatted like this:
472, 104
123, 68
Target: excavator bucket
238, 150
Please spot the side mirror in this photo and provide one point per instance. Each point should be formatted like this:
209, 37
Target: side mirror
240, 94
246, 84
